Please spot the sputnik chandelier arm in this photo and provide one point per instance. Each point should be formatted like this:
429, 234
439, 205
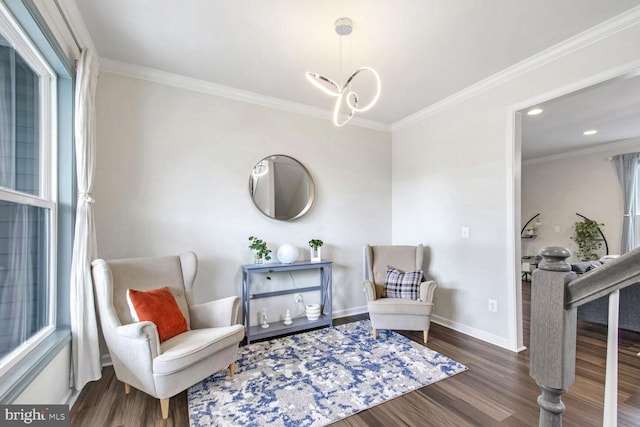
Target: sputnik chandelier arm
346, 96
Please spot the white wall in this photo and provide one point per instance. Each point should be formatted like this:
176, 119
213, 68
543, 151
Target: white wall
453, 168
51, 386
585, 183
172, 174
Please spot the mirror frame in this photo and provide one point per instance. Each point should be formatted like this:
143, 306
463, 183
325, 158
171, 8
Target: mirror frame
312, 189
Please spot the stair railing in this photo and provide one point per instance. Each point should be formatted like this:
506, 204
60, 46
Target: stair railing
556, 293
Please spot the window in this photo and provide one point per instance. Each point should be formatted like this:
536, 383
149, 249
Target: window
28, 206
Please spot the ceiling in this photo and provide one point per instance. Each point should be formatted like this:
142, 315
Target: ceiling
612, 108
424, 50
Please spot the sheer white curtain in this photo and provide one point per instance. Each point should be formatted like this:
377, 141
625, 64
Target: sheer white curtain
85, 350
627, 167
17, 291
17, 288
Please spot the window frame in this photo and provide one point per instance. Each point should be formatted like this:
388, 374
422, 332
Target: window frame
48, 195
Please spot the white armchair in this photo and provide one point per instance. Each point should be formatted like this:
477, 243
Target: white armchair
396, 313
139, 358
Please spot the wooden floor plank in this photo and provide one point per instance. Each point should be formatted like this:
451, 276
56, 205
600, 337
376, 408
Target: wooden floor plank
495, 391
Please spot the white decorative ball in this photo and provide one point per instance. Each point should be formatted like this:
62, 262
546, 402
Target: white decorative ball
287, 253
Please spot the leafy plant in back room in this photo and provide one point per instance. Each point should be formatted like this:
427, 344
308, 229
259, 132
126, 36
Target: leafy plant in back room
586, 234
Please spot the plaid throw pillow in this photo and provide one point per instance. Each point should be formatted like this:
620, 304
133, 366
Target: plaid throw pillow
402, 285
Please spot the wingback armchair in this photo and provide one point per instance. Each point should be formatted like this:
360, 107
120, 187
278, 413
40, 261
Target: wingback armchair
396, 313
164, 369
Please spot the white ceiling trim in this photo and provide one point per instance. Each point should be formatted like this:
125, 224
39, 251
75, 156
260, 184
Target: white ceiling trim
203, 86
579, 41
600, 148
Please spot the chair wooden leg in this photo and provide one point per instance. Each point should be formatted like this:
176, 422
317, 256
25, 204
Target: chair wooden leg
375, 333
426, 336
232, 369
127, 388
164, 407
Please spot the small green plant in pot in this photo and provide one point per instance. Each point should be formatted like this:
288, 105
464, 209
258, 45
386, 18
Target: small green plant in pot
259, 247
586, 234
315, 245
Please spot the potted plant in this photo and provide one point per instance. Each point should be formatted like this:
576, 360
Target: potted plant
260, 250
586, 234
316, 252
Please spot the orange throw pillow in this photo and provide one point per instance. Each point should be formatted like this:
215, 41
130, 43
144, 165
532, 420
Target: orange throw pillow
160, 307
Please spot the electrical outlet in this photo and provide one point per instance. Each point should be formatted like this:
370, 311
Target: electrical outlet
298, 298
464, 232
493, 306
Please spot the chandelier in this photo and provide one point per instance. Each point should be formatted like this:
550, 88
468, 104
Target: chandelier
343, 91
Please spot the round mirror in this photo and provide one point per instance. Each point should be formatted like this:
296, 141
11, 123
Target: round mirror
281, 188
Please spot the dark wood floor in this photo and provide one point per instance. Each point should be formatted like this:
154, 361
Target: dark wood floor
495, 391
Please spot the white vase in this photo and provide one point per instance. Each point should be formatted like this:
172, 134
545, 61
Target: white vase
312, 311
316, 254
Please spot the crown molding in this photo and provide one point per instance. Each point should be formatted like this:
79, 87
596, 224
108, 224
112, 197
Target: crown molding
210, 88
600, 148
598, 32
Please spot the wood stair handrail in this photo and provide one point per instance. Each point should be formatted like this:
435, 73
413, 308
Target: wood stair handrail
615, 275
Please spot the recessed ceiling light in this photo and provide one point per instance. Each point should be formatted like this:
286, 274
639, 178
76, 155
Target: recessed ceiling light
534, 111
590, 132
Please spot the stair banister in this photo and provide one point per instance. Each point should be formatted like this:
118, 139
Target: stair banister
556, 293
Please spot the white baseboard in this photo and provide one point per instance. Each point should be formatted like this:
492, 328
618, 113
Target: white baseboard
336, 314
473, 332
447, 323
71, 397
105, 359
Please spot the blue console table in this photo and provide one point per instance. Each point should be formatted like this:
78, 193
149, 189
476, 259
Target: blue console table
299, 323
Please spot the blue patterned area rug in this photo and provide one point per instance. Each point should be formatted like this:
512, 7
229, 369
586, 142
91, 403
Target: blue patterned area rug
316, 378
